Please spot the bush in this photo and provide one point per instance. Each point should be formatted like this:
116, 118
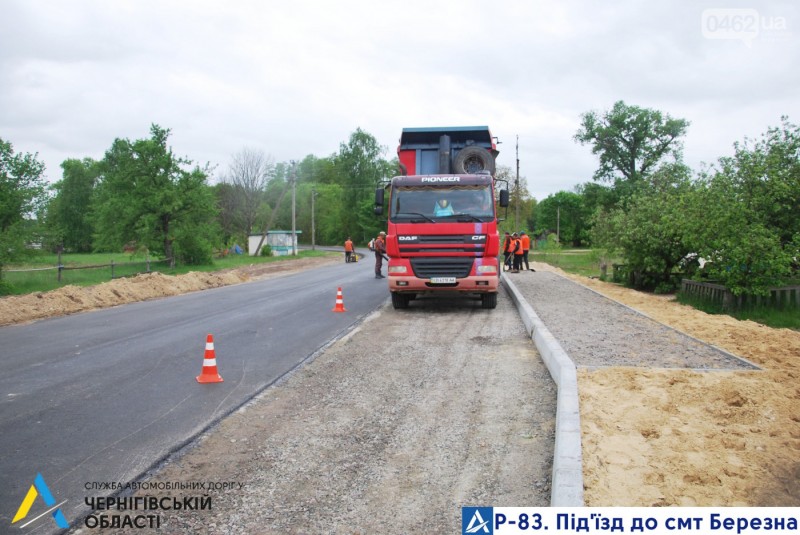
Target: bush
620, 274
5, 288
192, 249
666, 287
552, 245
266, 250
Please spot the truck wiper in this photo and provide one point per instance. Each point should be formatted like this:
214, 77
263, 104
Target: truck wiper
473, 217
416, 213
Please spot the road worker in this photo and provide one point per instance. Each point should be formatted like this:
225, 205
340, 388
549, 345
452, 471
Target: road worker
507, 252
380, 250
526, 246
348, 250
516, 245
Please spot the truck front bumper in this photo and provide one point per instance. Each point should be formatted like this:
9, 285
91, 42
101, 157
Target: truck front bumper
474, 284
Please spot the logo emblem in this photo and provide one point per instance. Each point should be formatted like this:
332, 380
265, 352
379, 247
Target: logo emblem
40, 487
477, 520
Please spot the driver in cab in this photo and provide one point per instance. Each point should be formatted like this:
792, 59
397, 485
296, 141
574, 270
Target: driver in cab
442, 208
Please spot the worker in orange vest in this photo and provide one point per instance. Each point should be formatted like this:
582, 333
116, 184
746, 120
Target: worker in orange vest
348, 250
507, 252
516, 245
526, 246
380, 250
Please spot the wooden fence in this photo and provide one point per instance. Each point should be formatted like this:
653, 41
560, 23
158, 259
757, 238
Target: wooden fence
46, 278
786, 296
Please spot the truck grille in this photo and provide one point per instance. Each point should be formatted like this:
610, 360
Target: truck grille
427, 267
442, 238
464, 245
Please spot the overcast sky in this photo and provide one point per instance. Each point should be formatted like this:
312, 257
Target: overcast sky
294, 78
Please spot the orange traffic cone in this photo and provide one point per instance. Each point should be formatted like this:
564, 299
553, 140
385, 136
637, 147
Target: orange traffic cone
209, 373
339, 302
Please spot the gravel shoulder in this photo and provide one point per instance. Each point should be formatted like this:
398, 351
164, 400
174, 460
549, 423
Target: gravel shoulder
596, 331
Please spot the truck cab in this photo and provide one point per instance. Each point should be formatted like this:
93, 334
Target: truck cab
442, 234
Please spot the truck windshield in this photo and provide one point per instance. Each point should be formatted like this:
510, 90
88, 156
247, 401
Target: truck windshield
432, 203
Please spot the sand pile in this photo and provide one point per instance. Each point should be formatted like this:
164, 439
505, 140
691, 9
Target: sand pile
71, 299
677, 437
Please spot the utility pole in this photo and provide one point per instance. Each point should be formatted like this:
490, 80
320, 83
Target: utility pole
558, 223
516, 214
294, 199
313, 229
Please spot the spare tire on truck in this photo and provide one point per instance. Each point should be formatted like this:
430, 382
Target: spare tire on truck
473, 159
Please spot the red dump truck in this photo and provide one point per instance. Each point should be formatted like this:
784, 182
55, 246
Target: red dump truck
442, 232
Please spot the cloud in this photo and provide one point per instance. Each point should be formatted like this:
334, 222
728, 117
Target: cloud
297, 78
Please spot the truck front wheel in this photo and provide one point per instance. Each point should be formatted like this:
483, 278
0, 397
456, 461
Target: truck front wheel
399, 300
489, 300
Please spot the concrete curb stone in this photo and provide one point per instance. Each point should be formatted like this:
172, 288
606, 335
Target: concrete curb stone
567, 479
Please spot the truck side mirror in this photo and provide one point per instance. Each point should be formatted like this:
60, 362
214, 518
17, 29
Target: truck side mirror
379, 201
504, 198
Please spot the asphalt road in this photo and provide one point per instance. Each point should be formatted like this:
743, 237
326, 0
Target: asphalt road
100, 397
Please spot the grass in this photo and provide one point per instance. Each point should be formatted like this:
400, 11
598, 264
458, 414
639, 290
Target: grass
779, 317
578, 261
46, 278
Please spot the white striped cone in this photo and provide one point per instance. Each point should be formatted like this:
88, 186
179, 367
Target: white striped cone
339, 302
209, 373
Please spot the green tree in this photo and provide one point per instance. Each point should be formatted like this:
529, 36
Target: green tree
359, 167
651, 233
344, 183
562, 214
765, 177
744, 219
147, 196
319, 175
631, 142
317, 170
596, 196
327, 213
22, 195
68, 213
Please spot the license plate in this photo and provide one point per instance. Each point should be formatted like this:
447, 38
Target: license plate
443, 280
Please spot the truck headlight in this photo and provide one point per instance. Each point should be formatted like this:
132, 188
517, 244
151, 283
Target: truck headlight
398, 269
487, 270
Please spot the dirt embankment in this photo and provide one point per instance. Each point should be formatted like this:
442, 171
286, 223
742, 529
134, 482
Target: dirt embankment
71, 299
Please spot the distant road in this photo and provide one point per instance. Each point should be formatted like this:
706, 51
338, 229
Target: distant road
100, 397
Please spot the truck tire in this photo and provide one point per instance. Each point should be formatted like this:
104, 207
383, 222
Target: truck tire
470, 160
489, 300
399, 300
